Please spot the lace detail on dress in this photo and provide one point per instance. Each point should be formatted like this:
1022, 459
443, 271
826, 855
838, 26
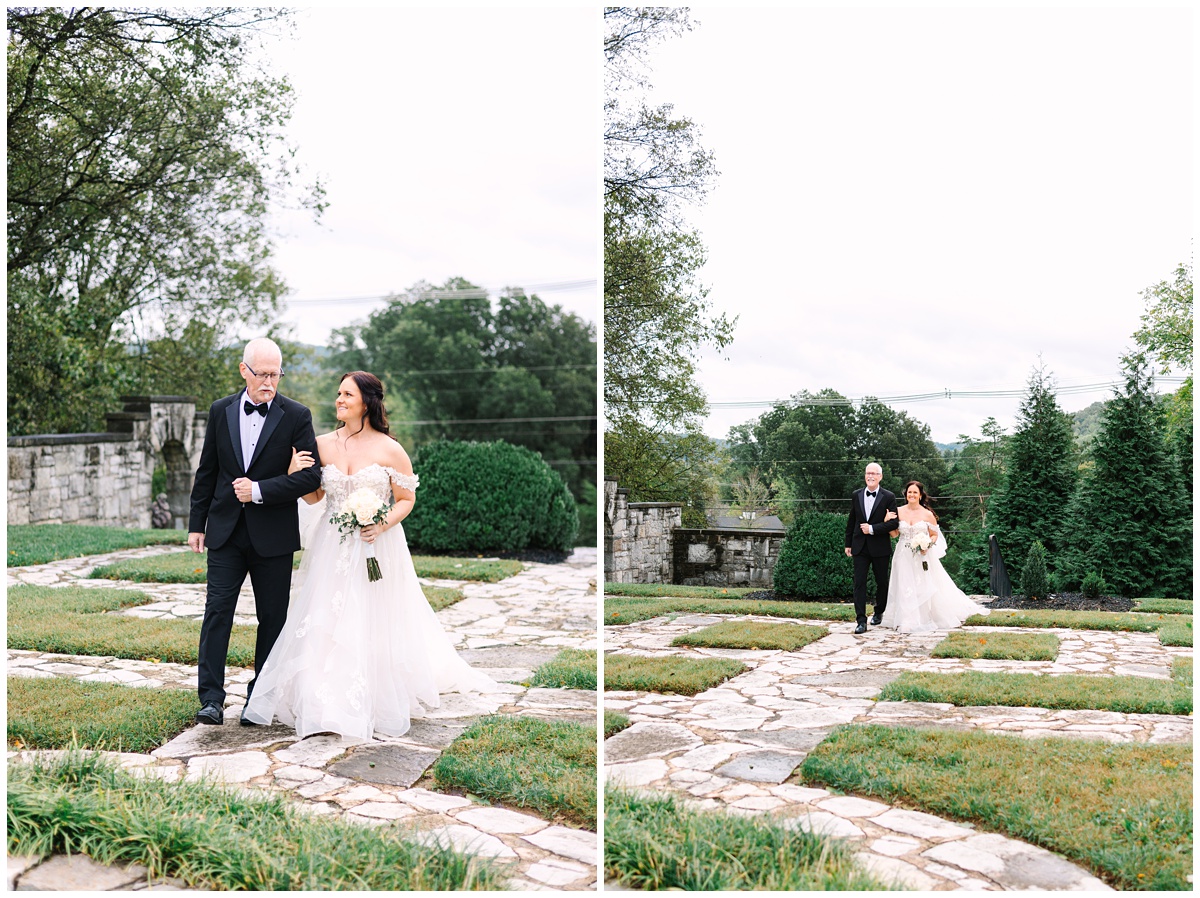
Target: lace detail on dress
908, 531
375, 477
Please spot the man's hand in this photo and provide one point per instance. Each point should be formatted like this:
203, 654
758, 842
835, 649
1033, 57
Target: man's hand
196, 541
243, 488
866, 528
849, 552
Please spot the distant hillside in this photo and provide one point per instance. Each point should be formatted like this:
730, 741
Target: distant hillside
1085, 424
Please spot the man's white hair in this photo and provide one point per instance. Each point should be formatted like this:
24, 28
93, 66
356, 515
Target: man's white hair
873, 465
261, 346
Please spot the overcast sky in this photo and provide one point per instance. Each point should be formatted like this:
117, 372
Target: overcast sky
452, 143
913, 201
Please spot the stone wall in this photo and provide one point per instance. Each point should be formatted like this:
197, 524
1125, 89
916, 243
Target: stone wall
637, 537
104, 478
725, 557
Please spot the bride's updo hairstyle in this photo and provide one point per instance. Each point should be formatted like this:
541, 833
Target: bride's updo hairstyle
924, 496
371, 389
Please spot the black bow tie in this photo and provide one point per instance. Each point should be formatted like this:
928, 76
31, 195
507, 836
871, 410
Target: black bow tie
250, 408
872, 495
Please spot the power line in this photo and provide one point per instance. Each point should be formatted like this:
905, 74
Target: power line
794, 401
495, 420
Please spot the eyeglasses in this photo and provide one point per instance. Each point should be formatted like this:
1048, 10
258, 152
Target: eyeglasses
266, 375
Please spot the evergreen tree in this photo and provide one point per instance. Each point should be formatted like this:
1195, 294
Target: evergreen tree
1129, 520
1041, 471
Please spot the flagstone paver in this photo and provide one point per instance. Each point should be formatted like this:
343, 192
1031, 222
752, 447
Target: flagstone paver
736, 745
506, 628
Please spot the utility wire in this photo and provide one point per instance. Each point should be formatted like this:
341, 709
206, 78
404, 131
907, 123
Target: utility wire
472, 293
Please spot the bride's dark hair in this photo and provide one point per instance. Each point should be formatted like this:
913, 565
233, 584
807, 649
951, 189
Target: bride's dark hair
371, 389
924, 496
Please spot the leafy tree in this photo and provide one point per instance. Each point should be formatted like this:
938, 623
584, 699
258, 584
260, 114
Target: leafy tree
145, 150
1129, 520
666, 468
657, 317
818, 444
1041, 471
465, 370
1166, 334
976, 470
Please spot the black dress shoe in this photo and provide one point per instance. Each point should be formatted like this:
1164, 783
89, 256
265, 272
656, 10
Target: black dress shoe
246, 721
876, 620
211, 713
861, 628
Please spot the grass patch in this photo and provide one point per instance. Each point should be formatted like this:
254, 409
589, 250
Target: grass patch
1122, 811
630, 609
1129, 695
217, 838
40, 543
436, 567
59, 712
69, 620
569, 669
440, 597
614, 722
679, 676
548, 766
190, 567
752, 635
657, 842
1181, 672
660, 590
1176, 633
1164, 606
998, 646
1075, 620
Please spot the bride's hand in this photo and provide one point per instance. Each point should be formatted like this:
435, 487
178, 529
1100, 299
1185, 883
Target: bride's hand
371, 532
890, 516
300, 461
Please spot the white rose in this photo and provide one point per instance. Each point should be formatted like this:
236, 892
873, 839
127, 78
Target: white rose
364, 505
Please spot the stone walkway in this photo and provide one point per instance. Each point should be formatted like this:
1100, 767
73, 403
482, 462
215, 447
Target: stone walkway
734, 747
507, 628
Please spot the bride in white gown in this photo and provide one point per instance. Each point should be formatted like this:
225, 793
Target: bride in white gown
358, 657
921, 595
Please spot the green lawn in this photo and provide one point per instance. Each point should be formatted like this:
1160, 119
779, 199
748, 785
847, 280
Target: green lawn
1128, 695
222, 839
57, 712
998, 646
192, 567
40, 543
630, 609
569, 669
656, 842
658, 590
614, 722
752, 635
1164, 606
69, 620
671, 674
547, 766
1122, 811
1173, 628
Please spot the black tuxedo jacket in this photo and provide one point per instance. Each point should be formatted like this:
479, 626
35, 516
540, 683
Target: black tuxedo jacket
878, 543
274, 525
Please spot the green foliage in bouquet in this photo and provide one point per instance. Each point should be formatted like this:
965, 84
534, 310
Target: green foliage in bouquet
489, 497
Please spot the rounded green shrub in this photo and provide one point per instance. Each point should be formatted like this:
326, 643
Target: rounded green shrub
812, 561
1094, 586
1035, 581
489, 497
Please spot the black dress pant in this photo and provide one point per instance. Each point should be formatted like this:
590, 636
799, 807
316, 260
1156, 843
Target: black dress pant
271, 578
878, 564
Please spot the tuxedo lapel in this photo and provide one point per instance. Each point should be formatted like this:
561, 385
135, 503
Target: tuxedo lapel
274, 416
235, 430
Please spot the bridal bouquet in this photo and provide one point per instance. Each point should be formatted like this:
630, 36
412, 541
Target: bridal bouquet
362, 509
920, 542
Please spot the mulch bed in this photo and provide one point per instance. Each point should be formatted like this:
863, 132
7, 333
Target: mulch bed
1067, 601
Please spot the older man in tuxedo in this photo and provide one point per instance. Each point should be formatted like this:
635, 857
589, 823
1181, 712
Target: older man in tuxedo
872, 517
244, 513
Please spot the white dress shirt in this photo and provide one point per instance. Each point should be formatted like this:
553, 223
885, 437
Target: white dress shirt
251, 431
